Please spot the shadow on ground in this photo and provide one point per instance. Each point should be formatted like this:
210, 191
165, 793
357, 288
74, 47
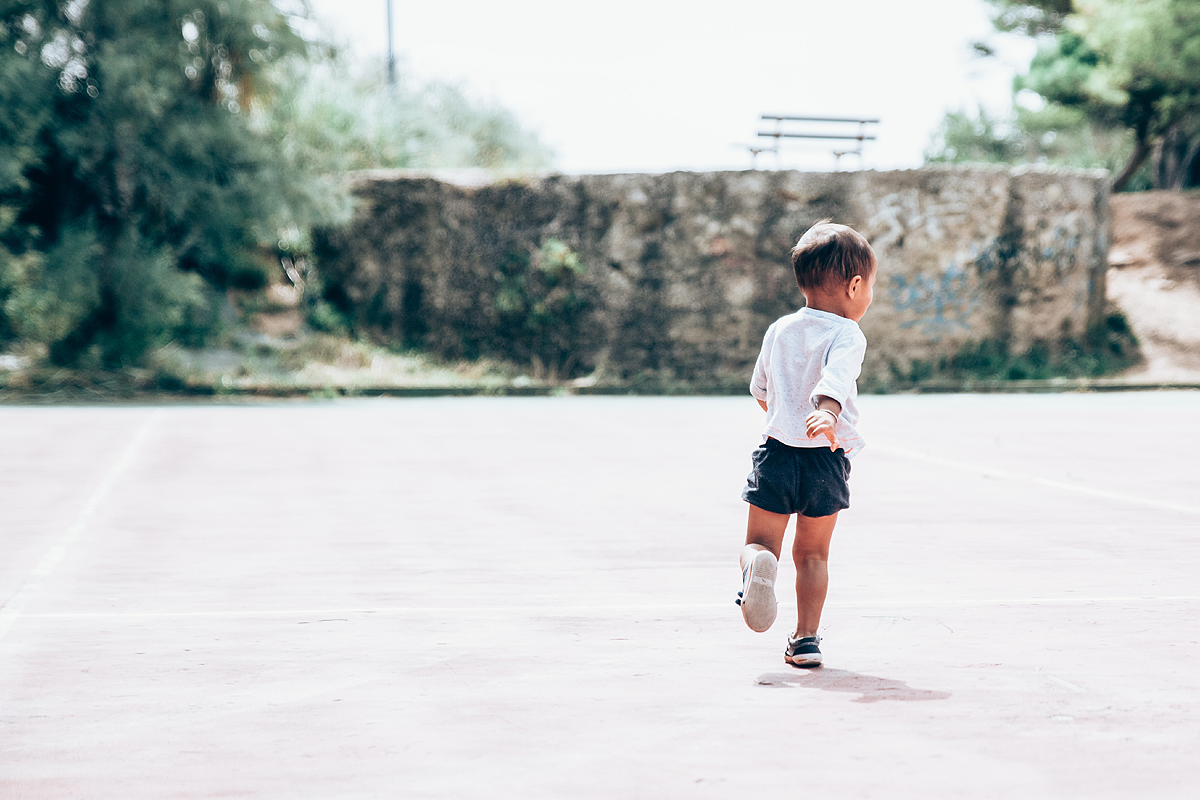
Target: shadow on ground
869, 688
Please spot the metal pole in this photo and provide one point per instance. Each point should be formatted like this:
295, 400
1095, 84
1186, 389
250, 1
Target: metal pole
391, 64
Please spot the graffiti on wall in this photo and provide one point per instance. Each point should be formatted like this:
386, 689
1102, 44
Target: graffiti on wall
937, 304
1061, 251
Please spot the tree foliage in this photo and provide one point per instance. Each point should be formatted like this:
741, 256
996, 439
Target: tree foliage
1119, 80
350, 116
1031, 19
155, 152
134, 177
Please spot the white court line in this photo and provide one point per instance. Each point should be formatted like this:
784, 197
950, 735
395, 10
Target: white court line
552, 610
11, 609
1021, 476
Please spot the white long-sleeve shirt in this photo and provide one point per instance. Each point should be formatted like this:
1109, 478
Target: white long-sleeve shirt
804, 355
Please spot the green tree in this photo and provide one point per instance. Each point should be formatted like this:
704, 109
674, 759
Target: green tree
351, 117
1135, 64
138, 172
979, 138
1120, 80
23, 113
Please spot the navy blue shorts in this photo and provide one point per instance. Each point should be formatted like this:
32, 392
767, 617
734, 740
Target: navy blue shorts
811, 481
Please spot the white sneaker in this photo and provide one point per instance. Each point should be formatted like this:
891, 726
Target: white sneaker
757, 597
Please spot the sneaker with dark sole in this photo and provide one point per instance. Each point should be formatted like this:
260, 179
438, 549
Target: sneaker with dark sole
757, 597
803, 652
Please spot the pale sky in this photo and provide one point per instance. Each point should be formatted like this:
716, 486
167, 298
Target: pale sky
660, 85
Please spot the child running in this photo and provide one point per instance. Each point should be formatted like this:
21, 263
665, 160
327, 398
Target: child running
805, 380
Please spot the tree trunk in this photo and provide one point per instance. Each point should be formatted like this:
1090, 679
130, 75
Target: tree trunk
1174, 153
1167, 155
1138, 158
1187, 164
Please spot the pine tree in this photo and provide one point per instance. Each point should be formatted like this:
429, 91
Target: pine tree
1117, 84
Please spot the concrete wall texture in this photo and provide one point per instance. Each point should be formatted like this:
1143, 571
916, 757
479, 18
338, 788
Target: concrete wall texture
685, 271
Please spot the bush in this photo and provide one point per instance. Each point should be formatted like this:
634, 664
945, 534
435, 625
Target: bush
541, 310
1107, 348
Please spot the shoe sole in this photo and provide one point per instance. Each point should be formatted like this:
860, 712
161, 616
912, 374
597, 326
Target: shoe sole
759, 606
804, 662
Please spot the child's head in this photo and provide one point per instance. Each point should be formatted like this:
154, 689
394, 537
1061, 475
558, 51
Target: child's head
828, 256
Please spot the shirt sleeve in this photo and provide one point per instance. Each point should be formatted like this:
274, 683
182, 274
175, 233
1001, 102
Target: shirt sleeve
758, 382
842, 367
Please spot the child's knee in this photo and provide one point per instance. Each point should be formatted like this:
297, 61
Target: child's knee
804, 557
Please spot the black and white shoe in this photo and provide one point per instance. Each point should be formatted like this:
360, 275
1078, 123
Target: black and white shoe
803, 652
757, 597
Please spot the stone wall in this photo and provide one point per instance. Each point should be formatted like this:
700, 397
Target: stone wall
684, 271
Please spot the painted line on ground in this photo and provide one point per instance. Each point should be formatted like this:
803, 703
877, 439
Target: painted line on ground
1004, 474
12, 607
552, 610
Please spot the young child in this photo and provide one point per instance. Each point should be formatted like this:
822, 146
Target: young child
805, 380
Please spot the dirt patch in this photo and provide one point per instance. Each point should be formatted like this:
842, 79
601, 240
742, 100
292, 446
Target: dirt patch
1155, 279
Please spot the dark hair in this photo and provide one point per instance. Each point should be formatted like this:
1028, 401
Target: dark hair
829, 253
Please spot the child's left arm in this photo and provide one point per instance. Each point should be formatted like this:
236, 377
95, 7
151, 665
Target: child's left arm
842, 367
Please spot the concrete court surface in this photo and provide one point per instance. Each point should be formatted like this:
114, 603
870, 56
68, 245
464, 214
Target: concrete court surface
533, 598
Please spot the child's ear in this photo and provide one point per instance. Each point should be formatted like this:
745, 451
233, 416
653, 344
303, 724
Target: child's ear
854, 286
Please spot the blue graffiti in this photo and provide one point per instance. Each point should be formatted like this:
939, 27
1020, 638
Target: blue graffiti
1062, 251
939, 303
984, 260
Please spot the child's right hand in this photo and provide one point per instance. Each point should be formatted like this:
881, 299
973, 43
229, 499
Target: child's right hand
821, 423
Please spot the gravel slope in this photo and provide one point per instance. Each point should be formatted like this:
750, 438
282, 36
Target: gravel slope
1155, 279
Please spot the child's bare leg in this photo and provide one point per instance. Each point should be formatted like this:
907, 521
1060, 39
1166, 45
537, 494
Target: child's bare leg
810, 551
764, 531
760, 566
